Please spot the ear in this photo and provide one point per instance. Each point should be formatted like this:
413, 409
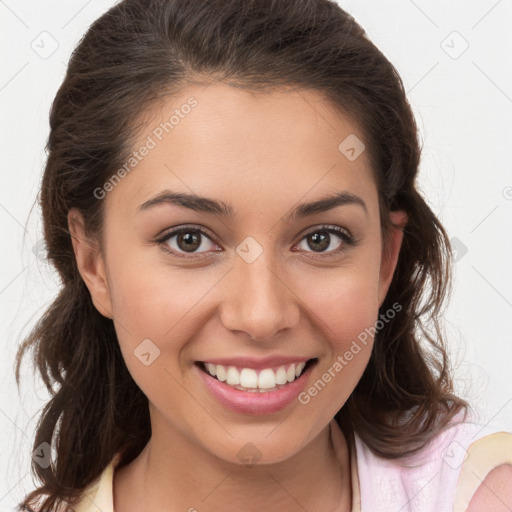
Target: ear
390, 252
90, 263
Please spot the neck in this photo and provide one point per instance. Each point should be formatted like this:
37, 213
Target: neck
176, 474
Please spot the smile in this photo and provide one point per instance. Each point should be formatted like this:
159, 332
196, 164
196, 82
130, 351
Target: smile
250, 386
255, 380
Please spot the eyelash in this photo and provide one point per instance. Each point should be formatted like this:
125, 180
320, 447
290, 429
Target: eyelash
347, 239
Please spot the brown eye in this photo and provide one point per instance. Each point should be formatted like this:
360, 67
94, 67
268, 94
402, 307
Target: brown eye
322, 241
187, 240
319, 241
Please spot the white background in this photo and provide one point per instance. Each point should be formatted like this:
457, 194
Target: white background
462, 102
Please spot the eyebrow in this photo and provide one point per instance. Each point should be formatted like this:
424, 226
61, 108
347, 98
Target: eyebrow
215, 207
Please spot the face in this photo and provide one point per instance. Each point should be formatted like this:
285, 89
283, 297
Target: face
258, 290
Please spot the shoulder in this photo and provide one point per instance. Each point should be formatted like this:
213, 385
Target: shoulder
485, 479
495, 492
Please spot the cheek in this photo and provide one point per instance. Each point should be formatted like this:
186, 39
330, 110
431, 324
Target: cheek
154, 310
344, 306
158, 310
342, 302
149, 295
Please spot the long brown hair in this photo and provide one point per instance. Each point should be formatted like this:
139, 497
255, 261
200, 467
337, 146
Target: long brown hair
141, 51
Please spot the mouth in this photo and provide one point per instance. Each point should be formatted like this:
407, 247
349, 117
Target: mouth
252, 380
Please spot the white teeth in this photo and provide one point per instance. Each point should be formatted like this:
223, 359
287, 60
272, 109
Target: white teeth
267, 379
232, 376
249, 380
281, 376
221, 373
212, 369
290, 374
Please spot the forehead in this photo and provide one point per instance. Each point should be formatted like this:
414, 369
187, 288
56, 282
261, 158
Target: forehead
243, 146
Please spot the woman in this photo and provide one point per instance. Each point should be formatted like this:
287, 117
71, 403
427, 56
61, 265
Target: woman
247, 265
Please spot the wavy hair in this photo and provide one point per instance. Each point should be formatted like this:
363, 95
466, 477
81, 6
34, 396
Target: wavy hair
142, 51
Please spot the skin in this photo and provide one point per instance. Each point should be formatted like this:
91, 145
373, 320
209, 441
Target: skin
495, 492
262, 154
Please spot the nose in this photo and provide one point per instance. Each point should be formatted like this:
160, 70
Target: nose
259, 300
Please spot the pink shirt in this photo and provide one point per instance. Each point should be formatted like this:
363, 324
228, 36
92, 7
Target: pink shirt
442, 477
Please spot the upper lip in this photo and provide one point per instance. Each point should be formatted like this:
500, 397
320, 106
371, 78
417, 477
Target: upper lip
257, 363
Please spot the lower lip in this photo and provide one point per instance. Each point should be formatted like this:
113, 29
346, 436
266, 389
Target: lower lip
248, 402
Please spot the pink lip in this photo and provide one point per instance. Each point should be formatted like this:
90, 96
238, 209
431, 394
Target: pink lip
247, 402
257, 363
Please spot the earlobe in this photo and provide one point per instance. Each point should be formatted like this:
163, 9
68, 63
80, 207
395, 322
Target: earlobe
390, 252
90, 263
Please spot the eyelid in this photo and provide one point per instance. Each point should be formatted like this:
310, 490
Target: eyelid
169, 232
327, 227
